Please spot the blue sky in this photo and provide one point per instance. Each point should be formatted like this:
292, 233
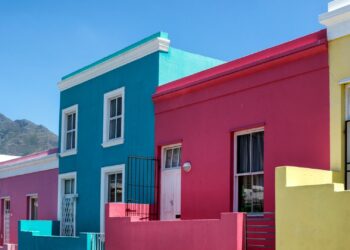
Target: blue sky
41, 41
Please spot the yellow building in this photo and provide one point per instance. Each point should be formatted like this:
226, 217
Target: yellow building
312, 206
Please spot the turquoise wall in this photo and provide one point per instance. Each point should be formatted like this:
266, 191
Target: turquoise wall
42, 235
140, 79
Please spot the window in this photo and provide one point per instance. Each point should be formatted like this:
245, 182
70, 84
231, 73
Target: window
249, 174
33, 206
69, 130
172, 157
113, 122
115, 187
69, 185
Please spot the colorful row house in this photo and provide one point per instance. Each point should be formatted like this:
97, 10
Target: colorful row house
106, 138
28, 191
157, 156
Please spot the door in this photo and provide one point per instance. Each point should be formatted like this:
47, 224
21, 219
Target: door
170, 207
7, 217
68, 208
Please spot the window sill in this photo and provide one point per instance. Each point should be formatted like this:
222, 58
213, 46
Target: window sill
68, 153
112, 143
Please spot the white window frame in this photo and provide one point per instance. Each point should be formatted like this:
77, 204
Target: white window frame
61, 179
120, 92
236, 175
167, 147
30, 197
66, 112
105, 171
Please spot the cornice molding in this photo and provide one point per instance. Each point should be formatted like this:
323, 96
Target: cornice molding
337, 19
157, 44
31, 166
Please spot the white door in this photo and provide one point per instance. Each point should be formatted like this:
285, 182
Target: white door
68, 208
7, 216
171, 183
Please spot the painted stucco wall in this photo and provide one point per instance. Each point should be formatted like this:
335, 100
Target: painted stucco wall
140, 79
43, 183
39, 235
312, 212
339, 62
225, 233
289, 98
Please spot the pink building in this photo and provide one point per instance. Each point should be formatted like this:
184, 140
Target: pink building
28, 191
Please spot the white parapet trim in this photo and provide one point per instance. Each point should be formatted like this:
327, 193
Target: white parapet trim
147, 48
337, 19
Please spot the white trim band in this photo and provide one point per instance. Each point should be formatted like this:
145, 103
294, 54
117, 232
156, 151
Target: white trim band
337, 20
31, 166
344, 81
157, 44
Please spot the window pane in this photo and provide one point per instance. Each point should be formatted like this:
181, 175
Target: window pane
258, 193
168, 155
67, 186
119, 106
119, 127
73, 140
244, 194
111, 188
74, 120
68, 141
112, 128
119, 187
257, 151
72, 186
69, 122
112, 108
176, 158
243, 157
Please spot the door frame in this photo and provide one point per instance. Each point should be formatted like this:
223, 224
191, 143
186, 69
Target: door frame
61, 179
163, 159
105, 171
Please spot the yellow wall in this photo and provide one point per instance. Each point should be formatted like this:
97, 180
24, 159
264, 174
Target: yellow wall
339, 67
312, 212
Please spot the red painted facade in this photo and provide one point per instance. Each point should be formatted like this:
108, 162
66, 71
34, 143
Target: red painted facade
17, 189
284, 89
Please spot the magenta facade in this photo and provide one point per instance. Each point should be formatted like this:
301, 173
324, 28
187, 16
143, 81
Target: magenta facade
28, 190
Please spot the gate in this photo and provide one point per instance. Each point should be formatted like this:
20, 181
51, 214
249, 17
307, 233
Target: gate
142, 192
68, 215
260, 231
7, 217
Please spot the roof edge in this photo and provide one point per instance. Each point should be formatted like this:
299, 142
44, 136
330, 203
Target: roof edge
241, 64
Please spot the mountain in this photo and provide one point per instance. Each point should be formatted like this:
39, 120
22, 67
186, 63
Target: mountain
22, 137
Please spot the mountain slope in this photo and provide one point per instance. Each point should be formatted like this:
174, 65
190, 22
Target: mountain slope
22, 137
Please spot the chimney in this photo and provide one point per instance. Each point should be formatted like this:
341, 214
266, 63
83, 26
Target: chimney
337, 19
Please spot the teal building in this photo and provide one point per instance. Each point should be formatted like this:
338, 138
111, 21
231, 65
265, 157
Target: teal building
107, 115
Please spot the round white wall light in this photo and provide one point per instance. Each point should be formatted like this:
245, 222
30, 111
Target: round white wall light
187, 166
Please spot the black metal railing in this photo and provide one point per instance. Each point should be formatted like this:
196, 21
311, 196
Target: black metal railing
260, 231
142, 192
347, 154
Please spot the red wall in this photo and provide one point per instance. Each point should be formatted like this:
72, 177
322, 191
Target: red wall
289, 97
43, 183
225, 233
